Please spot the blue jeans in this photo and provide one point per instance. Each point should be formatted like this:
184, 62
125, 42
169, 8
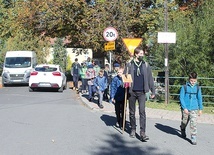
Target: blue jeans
141, 98
100, 93
75, 80
91, 91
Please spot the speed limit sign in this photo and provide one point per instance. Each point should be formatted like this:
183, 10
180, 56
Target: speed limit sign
110, 34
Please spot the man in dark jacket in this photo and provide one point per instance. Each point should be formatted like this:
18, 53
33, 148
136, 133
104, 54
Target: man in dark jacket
142, 83
75, 72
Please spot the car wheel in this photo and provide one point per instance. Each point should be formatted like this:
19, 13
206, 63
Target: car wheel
60, 89
3, 85
65, 87
30, 89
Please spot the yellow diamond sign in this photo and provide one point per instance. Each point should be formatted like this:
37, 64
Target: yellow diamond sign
131, 44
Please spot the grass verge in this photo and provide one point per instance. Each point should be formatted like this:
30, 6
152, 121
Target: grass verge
173, 106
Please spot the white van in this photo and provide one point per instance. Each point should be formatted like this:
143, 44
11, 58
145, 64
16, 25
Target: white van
18, 66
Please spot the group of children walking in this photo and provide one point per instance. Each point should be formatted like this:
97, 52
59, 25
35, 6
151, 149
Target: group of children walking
100, 83
94, 80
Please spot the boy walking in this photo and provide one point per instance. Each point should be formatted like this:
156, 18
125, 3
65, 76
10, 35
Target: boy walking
100, 83
106, 74
117, 94
83, 70
191, 106
75, 73
90, 75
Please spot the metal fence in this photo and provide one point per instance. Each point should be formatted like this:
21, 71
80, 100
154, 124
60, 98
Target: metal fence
207, 90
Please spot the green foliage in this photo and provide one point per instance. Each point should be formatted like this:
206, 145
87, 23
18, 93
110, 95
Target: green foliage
68, 68
193, 49
69, 63
59, 53
28, 24
14, 36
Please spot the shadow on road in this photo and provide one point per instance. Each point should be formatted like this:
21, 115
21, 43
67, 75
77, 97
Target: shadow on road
111, 121
108, 120
118, 145
169, 130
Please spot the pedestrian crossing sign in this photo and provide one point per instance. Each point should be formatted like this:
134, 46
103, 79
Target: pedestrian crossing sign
131, 44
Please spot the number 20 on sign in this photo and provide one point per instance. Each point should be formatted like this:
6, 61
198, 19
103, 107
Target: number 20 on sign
110, 34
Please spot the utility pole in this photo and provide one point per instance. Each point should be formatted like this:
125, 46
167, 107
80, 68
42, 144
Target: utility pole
166, 55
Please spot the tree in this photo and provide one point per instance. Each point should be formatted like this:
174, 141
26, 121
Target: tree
194, 45
14, 36
84, 24
59, 54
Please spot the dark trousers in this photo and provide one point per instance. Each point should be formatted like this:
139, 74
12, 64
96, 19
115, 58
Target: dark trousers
105, 95
119, 110
75, 80
84, 84
141, 98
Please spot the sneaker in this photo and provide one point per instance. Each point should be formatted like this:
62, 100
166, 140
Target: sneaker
90, 99
132, 134
143, 137
101, 106
183, 133
117, 125
193, 140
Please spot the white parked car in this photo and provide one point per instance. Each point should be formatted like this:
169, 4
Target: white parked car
47, 76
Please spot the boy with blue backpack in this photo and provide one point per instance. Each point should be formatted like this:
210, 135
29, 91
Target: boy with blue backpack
191, 106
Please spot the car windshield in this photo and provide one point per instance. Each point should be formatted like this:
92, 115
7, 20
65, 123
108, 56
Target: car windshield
45, 69
17, 62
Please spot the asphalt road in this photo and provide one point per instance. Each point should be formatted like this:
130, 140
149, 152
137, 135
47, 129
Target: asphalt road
53, 123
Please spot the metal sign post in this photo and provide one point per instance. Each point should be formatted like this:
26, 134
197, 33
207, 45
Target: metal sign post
110, 68
166, 38
109, 47
166, 55
110, 34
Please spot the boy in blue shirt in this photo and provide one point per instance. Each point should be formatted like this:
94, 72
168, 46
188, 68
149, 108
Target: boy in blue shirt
100, 83
191, 106
117, 94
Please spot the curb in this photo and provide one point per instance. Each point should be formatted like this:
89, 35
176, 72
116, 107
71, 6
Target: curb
108, 107
150, 113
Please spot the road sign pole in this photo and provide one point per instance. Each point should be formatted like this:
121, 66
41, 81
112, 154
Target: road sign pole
166, 56
110, 61
110, 34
